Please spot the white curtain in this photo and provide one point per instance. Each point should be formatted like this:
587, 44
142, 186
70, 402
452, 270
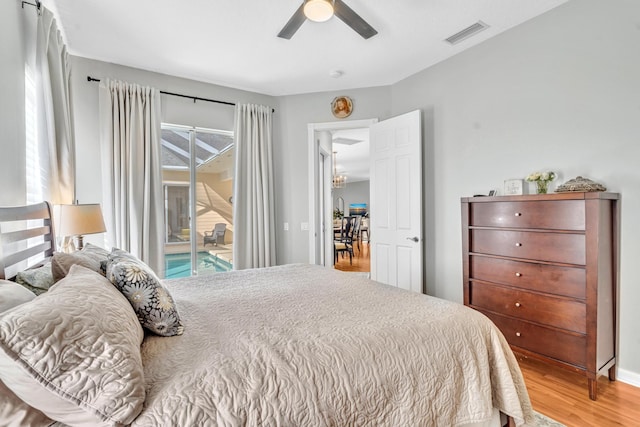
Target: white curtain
55, 138
132, 172
253, 199
51, 163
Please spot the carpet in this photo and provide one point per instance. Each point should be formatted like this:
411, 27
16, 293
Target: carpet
544, 421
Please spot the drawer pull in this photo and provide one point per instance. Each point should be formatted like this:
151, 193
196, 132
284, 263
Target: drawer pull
518, 214
518, 274
518, 334
518, 244
518, 304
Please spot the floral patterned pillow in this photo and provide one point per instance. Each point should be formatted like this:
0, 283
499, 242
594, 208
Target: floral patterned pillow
116, 256
151, 301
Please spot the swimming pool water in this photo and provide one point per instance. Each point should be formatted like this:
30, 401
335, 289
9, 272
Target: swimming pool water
179, 265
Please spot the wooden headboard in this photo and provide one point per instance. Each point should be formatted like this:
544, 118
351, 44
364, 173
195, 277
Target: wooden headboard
20, 240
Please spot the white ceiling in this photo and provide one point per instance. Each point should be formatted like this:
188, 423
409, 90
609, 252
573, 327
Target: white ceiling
233, 43
352, 153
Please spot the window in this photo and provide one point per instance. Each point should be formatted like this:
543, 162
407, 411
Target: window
34, 170
205, 190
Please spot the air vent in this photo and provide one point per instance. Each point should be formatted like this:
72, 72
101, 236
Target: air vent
467, 32
345, 141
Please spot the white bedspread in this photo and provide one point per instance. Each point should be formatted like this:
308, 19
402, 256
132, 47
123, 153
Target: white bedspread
302, 345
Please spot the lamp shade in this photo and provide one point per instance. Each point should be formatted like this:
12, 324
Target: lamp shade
76, 220
318, 10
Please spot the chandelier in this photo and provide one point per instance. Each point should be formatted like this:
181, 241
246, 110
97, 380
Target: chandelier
339, 181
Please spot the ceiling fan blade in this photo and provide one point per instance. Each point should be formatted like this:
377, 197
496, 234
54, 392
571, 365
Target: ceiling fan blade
294, 23
352, 19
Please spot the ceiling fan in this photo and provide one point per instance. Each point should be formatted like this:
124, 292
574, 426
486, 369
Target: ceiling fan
322, 10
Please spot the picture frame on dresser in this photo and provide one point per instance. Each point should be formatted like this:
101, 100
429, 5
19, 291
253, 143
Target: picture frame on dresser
513, 187
544, 269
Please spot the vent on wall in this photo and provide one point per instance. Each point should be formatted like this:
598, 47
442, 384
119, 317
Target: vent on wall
467, 32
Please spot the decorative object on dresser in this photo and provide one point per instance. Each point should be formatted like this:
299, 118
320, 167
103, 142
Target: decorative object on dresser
513, 187
542, 180
544, 269
580, 184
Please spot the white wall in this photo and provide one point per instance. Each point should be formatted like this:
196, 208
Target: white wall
17, 32
560, 92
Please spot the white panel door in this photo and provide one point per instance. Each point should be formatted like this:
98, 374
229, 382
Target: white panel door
396, 201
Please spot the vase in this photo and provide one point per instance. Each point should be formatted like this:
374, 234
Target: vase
542, 186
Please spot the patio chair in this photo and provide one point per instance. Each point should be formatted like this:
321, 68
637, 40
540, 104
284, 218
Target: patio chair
216, 235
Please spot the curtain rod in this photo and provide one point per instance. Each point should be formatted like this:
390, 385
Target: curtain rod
195, 98
36, 4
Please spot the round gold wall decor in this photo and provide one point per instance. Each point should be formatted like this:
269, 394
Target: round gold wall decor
341, 107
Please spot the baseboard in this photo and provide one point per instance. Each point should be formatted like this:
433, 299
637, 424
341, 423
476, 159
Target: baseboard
628, 377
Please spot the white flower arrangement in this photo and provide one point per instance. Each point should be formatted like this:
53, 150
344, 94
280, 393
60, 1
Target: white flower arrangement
541, 176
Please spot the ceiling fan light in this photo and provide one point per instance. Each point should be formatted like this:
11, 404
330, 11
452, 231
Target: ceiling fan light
318, 10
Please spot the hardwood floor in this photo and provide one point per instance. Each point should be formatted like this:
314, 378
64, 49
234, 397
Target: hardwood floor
361, 260
563, 396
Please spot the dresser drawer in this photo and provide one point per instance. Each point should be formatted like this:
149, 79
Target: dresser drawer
549, 342
553, 279
548, 310
552, 215
554, 247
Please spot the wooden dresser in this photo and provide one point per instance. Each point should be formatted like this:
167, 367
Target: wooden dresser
544, 269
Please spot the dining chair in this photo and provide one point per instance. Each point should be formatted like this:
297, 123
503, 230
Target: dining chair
345, 242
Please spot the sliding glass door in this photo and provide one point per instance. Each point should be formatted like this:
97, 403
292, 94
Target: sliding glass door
198, 186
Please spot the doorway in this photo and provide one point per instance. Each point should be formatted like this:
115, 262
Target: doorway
396, 198
351, 198
197, 175
322, 195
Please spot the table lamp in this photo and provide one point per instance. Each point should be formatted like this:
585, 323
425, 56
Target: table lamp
78, 220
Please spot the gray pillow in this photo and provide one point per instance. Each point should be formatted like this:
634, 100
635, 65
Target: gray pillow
97, 250
13, 294
37, 280
90, 257
74, 352
151, 301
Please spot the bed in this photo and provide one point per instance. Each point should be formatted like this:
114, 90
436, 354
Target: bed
292, 345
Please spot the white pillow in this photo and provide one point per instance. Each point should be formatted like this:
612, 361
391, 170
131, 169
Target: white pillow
13, 294
15, 413
74, 352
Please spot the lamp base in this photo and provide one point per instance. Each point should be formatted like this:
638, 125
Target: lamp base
80, 243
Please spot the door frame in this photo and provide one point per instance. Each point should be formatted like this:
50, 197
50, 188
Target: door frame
315, 228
